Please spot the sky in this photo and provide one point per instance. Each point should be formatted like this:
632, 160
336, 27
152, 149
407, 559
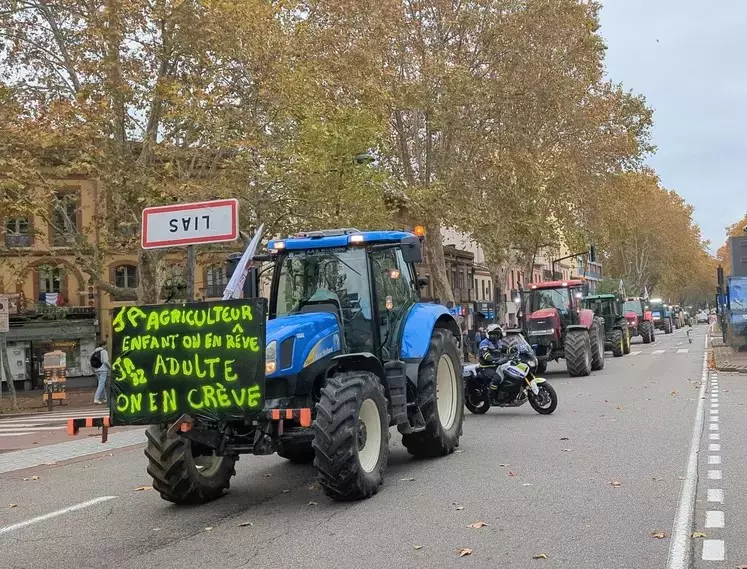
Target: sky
689, 59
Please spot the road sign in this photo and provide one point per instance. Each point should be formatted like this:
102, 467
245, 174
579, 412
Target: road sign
4, 313
196, 223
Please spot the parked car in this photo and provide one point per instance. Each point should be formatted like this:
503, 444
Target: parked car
702, 317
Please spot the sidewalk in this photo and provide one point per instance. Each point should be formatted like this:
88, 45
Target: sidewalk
51, 454
727, 358
32, 402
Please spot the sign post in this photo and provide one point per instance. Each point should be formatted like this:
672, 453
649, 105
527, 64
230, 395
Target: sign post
190, 224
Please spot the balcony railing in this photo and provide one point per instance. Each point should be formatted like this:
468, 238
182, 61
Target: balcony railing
17, 240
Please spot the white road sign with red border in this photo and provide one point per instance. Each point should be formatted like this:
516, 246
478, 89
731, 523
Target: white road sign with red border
196, 223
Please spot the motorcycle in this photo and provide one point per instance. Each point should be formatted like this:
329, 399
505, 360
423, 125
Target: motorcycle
519, 383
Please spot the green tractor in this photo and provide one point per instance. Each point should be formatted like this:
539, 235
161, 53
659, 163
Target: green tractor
609, 308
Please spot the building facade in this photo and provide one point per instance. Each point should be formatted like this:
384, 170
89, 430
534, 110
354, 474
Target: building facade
55, 304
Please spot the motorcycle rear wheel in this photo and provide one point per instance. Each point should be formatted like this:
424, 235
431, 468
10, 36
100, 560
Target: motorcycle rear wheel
476, 403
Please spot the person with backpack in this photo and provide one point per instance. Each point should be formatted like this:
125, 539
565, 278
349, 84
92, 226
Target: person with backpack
100, 365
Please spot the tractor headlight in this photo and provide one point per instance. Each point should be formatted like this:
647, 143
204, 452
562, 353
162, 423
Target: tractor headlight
543, 332
271, 360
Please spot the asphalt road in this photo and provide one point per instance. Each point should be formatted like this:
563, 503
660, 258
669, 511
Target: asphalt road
543, 485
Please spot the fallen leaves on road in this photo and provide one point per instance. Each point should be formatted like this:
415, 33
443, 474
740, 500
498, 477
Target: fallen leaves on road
680, 478
12, 505
659, 534
464, 551
268, 475
539, 556
673, 392
417, 547
655, 479
697, 534
312, 503
285, 491
564, 439
477, 525
458, 451
407, 479
504, 465
143, 488
615, 484
245, 524
567, 450
31, 478
511, 473
156, 529
457, 506
315, 487
209, 528
618, 407
741, 566
526, 484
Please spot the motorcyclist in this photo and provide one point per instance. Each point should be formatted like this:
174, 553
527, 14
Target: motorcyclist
491, 355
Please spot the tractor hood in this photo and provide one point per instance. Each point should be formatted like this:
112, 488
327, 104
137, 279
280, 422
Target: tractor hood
298, 340
543, 313
543, 325
631, 317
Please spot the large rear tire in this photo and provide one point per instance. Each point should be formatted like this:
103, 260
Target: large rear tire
578, 353
626, 339
351, 436
618, 344
647, 332
596, 341
668, 326
180, 474
440, 397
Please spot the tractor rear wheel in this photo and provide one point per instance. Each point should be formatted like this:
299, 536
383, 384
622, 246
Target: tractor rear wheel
626, 339
668, 326
351, 436
440, 397
646, 331
181, 474
596, 340
578, 353
618, 344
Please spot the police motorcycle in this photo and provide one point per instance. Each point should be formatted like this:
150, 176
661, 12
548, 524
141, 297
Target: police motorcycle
516, 368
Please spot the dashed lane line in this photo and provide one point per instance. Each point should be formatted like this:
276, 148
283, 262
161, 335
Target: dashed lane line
714, 519
55, 514
716, 495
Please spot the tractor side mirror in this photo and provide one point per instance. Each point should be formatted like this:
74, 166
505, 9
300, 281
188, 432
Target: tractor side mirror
423, 282
411, 252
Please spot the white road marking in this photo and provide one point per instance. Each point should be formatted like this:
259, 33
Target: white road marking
714, 405
715, 495
657, 352
714, 550
714, 436
55, 514
714, 419
714, 447
714, 411
4, 429
635, 353
14, 434
714, 459
683, 350
714, 475
714, 519
680, 546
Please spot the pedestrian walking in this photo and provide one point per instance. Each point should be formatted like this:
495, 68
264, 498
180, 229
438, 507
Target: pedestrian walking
465, 343
100, 365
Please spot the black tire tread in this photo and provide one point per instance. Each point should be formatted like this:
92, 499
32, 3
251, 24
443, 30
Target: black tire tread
617, 338
553, 397
577, 345
434, 441
335, 443
596, 332
174, 477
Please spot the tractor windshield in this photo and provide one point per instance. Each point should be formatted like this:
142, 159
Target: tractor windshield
633, 306
549, 298
335, 279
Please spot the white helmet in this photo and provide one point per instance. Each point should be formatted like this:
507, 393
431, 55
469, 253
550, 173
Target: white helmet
495, 329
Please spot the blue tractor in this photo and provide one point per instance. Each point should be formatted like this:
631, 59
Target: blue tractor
350, 352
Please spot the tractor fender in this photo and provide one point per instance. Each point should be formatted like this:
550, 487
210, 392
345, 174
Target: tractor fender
648, 315
585, 318
577, 327
418, 328
360, 361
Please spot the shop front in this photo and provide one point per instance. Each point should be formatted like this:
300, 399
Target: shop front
29, 341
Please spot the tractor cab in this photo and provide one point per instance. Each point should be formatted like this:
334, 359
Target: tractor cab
606, 306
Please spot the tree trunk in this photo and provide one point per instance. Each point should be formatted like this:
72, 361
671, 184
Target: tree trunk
7, 372
434, 252
149, 276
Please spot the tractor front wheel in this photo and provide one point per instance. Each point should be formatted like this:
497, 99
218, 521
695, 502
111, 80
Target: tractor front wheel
618, 344
440, 397
626, 339
596, 340
578, 353
668, 326
181, 472
351, 436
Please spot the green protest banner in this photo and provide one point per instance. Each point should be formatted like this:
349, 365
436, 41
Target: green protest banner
202, 358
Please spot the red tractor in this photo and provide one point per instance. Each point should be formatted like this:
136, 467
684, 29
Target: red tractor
640, 320
558, 327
